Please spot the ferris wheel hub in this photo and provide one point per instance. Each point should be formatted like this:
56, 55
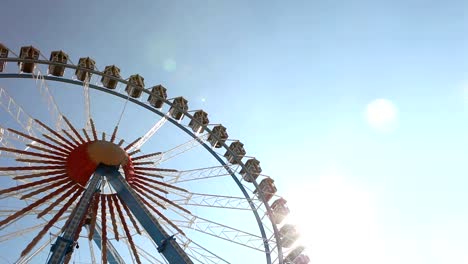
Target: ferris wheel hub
85, 158
107, 153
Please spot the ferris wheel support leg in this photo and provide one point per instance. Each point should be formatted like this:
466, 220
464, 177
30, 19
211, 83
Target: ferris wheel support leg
64, 243
167, 245
113, 256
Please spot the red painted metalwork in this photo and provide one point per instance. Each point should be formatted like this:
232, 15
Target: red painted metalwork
32, 184
138, 181
32, 206
79, 166
140, 173
63, 145
141, 193
142, 163
86, 135
163, 217
127, 233
93, 129
73, 189
132, 144
45, 188
52, 221
30, 168
64, 151
54, 133
163, 198
41, 174
114, 134
146, 156
112, 214
70, 125
153, 169
94, 209
25, 152
161, 183
46, 150
133, 152
70, 136
128, 212
104, 229
41, 161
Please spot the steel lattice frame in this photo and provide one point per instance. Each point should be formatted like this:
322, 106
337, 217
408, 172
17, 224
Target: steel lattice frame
231, 169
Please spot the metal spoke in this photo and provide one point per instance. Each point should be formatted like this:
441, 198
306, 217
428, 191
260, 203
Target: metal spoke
176, 151
43, 88
199, 174
151, 132
216, 201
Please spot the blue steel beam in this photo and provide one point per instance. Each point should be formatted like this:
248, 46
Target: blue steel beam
167, 245
113, 256
64, 243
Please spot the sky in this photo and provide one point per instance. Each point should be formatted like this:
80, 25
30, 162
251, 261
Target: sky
357, 109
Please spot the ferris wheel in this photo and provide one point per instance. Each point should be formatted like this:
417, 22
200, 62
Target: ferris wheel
96, 168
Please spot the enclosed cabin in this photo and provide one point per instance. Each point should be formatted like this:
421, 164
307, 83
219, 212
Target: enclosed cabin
279, 210
199, 122
179, 106
135, 86
85, 64
235, 153
288, 235
3, 54
293, 255
107, 81
267, 188
302, 259
218, 136
158, 96
28, 53
58, 57
251, 171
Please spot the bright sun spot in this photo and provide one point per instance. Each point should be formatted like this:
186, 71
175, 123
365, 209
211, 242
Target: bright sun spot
337, 222
382, 115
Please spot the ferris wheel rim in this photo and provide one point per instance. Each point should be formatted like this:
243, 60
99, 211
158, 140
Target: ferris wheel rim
186, 113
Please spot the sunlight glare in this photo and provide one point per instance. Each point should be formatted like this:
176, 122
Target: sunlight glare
337, 221
381, 115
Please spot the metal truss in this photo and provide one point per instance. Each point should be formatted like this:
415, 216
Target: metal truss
215, 201
44, 90
178, 150
151, 132
199, 174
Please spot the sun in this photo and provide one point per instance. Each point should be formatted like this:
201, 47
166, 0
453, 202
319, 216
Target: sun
382, 115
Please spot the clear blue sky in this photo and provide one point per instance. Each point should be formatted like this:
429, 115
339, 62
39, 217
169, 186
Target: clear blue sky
293, 80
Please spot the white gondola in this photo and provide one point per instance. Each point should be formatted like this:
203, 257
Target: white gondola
288, 235
267, 188
199, 122
135, 86
293, 255
179, 106
279, 210
28, 53
59, 57
253, 167
157, 96
218, 136
86, 63
3, 54
237, 148
113, 71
